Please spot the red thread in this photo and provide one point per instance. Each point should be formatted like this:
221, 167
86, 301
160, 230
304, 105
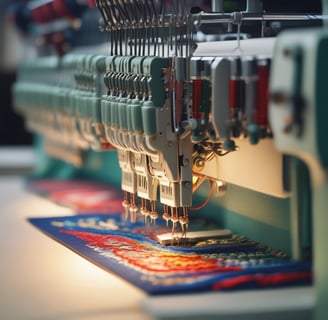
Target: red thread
262, 97
196, 97
149, 258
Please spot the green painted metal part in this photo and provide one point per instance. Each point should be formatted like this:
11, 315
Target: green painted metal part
136, 115
148, 112
321, 97
153, 70
122, 119
320, 223
320, 190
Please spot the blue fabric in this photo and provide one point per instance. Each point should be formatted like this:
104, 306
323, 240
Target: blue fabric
129, 250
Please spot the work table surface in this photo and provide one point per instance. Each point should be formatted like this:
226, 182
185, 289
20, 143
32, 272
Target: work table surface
41, 279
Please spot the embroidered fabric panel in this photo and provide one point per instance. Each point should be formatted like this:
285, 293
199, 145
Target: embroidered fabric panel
130, 251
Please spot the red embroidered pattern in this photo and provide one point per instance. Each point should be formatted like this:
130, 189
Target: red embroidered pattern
151, 259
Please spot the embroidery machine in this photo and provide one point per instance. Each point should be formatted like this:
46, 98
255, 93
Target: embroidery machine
172, 112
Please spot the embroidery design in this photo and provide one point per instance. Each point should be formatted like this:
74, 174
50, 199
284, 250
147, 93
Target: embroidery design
130, 251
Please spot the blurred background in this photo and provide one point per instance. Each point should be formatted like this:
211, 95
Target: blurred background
25, 35
12, 131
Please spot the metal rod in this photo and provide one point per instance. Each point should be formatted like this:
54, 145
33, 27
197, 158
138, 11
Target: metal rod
236, 17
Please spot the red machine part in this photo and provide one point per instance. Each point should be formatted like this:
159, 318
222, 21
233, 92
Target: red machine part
196, 97
263, 70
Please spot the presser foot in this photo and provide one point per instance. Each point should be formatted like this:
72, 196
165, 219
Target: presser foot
180, 238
